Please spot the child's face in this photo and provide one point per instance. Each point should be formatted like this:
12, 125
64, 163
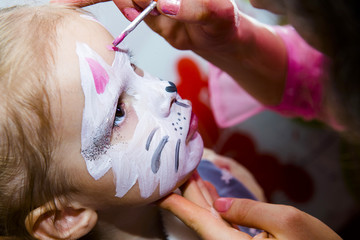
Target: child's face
130, 131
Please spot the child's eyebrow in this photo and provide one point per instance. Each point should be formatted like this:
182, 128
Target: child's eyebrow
122, 50
127, 51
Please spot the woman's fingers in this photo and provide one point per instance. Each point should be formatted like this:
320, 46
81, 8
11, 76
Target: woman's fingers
212, 191
262, 235
247, 212
283, 222
196, 211
141, 3
196, 11
200, 220
179, 10
78, 3
184, 10
196, 191
197, 25
191, 214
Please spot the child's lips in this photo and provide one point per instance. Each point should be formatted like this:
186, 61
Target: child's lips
192, 127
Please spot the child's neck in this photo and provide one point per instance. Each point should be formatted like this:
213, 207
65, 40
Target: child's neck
130, 223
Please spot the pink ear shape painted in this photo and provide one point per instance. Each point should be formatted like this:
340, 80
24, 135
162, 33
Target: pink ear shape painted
101, 78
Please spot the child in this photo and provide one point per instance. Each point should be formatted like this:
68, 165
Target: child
88, 140
321, 83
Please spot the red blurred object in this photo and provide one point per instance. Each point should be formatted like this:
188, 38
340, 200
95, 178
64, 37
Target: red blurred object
268, 170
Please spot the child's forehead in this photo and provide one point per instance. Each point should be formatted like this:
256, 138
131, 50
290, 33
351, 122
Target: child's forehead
85, 28
67, 68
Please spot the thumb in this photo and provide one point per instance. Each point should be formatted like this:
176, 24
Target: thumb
196, 11
247, 212
283, 222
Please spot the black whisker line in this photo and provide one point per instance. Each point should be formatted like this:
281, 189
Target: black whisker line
155, 161
182, 104
177, 150
172, 88
149, 139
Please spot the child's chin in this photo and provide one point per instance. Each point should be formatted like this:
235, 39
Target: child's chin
194, 157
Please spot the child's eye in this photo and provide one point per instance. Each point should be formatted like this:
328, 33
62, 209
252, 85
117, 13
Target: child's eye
120, 114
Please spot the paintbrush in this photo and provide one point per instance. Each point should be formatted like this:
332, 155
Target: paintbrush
134, 23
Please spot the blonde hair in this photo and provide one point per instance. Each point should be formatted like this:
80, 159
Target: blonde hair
27, 141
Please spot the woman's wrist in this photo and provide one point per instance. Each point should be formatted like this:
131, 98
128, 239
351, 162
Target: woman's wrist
256, 58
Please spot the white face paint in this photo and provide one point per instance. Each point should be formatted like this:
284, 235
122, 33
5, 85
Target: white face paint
158, 152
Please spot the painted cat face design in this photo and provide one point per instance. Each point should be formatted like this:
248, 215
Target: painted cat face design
138, 126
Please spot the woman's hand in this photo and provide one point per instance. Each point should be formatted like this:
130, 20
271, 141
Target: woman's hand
217, 31
282, 222
198, 25
196, 209
194, 25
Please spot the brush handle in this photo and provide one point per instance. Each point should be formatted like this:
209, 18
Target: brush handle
134, 23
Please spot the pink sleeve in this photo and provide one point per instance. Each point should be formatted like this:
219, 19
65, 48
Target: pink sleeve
229, 102
303, 93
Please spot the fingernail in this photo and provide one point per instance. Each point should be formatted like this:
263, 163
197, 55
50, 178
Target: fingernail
170, 7
223, 204
130, 13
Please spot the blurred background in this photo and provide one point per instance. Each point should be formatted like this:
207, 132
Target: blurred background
304, 164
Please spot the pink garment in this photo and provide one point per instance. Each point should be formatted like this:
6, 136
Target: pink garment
303, 92
229, 102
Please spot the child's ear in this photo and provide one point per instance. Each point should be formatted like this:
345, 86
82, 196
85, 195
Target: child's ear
71, 222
